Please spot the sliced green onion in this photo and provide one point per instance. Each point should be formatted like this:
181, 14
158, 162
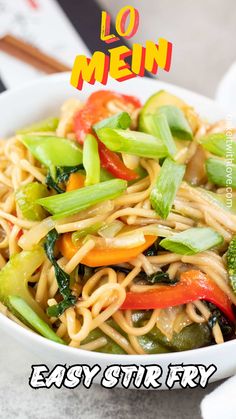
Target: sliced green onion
53, 151
157, 125
178, 124
193, 240
221, 172
70, 203
132, 142
49, 124
81, 234
91, 160
109, 231
167, 185
30, 317
218, 144
121, 120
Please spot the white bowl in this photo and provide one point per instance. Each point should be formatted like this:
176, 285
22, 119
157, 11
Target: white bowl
43, 98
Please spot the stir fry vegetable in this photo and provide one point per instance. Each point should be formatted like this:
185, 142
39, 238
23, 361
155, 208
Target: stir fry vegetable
167, 185
132, 142
30, 317
194, 240
63, 279
61, 176
49, 124
157, 125
231, 263
193, 285
174, 109
219, 172
217, 144
74, 201
91, 161
16, 274
26, 197
95, 110
76, 181
53, 151
104, 256
121, 120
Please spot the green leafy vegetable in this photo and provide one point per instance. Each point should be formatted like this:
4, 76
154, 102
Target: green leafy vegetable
49, 124
121, 120
231, 263
167, 185
26, 196
221, 173
110, 347
63, 279
30, 317
194, 240
152, 250
217, 144
72, 202
16, 274
132, 142
62, 175
160, 278
216, 316
91, 160
191, 337
53, 151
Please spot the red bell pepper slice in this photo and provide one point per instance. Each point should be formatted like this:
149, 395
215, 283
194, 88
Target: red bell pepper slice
111, 162
94, 111
194, 285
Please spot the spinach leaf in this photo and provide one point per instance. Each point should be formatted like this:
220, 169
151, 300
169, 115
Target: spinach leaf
152, 250
63, 279
62, 175
216, 316
160, 277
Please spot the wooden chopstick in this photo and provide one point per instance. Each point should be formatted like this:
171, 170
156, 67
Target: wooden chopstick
31, 55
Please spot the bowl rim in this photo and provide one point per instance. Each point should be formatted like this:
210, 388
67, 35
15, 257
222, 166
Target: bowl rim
7, 323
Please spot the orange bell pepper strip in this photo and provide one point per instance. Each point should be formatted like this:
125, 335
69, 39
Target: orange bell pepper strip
76, 181
103, 256
193, 285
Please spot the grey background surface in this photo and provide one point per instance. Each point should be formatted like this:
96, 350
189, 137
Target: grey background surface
203, 34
